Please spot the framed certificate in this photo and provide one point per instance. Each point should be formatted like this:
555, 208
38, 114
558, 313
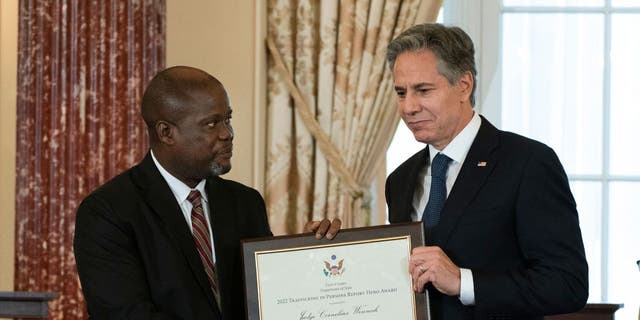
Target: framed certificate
363, 273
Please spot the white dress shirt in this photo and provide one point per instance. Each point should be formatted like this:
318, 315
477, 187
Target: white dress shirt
457, 150
181, 192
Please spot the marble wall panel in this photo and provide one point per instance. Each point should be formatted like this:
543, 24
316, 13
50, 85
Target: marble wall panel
82, 67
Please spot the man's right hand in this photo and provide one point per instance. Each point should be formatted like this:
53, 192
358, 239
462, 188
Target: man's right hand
324, 228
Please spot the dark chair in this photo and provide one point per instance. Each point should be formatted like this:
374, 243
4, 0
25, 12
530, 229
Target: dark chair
592, 311
25, 304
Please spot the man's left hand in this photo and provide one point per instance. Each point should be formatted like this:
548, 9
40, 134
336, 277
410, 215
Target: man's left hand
432, 265
324, 228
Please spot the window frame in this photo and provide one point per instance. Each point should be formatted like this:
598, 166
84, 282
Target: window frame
486, 31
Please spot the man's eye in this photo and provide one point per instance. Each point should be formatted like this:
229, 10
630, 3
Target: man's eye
400, 94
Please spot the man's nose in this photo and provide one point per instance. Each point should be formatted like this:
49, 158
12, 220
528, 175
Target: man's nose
226, 132
410, 105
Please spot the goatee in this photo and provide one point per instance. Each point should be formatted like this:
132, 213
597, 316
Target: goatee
218, 169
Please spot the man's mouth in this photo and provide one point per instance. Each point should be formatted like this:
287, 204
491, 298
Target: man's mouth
226, 150
416, 123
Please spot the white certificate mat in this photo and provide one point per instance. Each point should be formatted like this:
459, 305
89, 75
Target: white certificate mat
360, 280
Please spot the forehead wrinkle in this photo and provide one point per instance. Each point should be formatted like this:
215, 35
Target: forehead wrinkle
208, 95
186, 100
422, 84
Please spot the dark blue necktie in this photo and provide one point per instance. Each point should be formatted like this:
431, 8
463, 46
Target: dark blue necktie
438, 192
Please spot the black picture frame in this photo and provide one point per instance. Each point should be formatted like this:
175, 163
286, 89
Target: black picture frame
307, 241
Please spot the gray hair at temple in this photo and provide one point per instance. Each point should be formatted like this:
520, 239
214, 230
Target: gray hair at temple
451, 45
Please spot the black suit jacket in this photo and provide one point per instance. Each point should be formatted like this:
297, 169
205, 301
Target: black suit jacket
511, 218
137, 259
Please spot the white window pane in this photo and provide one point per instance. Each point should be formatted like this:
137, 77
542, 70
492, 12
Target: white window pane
626, 3
588, 196
555, 3
403, 146
552, 84
625, 113
624, 248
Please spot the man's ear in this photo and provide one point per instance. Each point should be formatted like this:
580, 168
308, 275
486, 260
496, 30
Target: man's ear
164, 131
465, 84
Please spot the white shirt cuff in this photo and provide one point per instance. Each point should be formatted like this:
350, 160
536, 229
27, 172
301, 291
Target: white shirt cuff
467, 296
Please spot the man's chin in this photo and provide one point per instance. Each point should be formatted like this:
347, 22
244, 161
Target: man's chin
424, 137
218, 169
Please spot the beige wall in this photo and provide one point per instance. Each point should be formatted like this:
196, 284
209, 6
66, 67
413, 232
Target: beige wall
217, 36
8, 68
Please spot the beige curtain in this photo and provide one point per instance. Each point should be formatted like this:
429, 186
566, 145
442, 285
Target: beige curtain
331, 111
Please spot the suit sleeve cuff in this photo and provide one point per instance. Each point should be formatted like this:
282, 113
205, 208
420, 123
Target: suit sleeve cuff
467, 296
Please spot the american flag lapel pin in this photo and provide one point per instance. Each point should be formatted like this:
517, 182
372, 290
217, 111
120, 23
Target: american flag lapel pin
482, 163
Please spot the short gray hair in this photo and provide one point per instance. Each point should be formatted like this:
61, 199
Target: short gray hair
452, 47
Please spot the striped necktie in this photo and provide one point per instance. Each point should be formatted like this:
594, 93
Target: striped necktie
202, 240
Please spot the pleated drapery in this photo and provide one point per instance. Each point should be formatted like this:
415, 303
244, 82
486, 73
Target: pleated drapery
82, 67
327, 60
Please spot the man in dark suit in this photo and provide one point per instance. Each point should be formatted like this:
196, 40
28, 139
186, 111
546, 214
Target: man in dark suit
503, 239
162, 239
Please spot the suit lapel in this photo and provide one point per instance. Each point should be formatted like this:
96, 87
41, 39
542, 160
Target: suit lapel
406, 190
221, 214
158, 196
220, 201
477, 166
225, 236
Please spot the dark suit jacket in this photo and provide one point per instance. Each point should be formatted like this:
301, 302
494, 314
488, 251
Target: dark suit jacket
136, 257
513, 222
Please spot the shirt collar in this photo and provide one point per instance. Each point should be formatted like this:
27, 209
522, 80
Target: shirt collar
458, 148
180, 189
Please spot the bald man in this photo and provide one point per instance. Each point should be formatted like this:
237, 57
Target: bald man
162, 239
